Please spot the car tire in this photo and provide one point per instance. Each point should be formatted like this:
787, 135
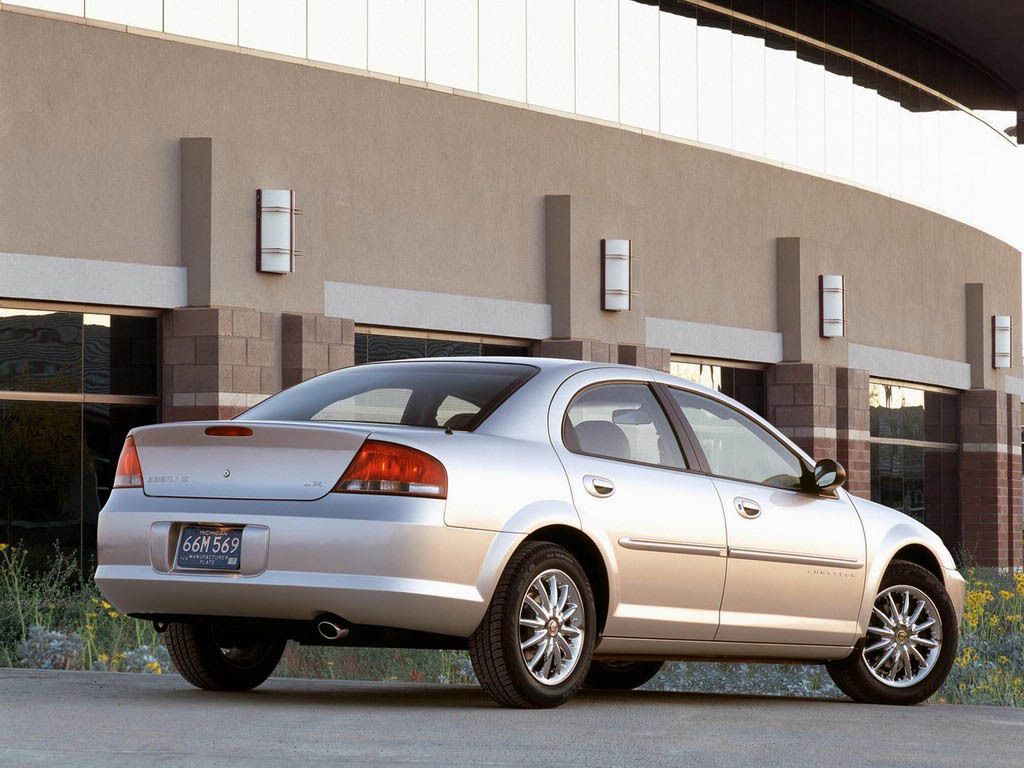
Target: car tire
200, 659
621, 675
552, 669
854, 676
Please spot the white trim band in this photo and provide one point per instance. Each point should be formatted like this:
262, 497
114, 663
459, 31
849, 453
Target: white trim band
908, 366
402, 308
727, 342
1014, 386
90, 281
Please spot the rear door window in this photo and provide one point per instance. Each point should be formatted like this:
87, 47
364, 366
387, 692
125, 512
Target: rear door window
623, 422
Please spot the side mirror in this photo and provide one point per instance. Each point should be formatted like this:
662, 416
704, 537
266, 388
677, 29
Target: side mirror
828, 475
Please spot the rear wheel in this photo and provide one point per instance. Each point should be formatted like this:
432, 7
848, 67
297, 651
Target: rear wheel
216, 664
910, 644
621, 675
533, 647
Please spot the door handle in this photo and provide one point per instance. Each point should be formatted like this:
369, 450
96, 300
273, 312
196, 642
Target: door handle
601, 487
747, 508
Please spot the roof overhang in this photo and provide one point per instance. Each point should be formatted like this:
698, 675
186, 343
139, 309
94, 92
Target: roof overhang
987, 31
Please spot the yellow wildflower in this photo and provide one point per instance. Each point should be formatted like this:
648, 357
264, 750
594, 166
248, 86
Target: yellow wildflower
113, 614
103, 657
2, 546
154, 667
1019, 578
1005, 594
106, 606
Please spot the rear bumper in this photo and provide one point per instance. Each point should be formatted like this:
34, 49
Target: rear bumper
373, 560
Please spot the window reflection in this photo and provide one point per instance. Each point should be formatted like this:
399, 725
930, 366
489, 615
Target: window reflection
40, 474
120, 354
379, 347
714, 89
915, 455
745, 385
58, 452
40, 350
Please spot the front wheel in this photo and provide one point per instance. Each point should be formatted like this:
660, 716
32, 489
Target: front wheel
910, 643
533, 647
218, 664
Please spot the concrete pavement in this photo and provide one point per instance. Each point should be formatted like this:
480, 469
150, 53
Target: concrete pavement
104, 719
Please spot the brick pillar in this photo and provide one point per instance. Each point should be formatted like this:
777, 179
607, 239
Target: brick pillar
589, 350
802, 404
1013, 476
314, 344
656, 358
989, 498
853, 428
217, 361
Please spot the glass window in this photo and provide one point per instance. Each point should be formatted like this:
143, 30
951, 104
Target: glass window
443, 348
385, 405
638, 64
748, 88
105, 427
502, 45
279, 26
377, 348
915, 455
337, 32
622, 422
57, 458
678, 47
41, 477
745, 385
120, 355
737, 447
395, 37
714, 82
412, 394
40, 351
597, 60
549, 54
451, 27
780, 97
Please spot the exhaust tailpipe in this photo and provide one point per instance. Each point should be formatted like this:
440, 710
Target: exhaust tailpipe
328, 628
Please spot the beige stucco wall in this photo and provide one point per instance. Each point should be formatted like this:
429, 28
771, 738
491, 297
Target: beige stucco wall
414, 188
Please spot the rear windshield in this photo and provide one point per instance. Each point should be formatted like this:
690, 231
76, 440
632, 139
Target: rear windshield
455, 396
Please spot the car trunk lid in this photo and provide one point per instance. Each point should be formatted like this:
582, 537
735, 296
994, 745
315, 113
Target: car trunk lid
274, 461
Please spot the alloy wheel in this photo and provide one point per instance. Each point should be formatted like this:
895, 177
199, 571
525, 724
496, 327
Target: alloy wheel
904, 637
551, 627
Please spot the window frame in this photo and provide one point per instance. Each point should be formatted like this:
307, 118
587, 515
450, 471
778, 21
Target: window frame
806, 481
690, 458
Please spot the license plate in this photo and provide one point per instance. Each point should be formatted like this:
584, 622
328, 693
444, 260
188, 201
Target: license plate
215, 549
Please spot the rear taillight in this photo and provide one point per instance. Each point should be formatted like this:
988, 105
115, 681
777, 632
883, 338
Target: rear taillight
394, 469
129, 471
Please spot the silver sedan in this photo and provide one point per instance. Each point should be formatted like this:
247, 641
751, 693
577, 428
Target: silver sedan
569, 523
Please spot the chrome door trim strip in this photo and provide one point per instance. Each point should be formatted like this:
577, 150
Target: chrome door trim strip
652, 545
797, 559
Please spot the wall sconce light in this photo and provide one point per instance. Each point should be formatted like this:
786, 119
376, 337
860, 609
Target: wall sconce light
275, 230
616, 287
832, 305
1002, 357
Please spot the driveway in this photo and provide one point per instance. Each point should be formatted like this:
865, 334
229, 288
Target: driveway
104, 719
